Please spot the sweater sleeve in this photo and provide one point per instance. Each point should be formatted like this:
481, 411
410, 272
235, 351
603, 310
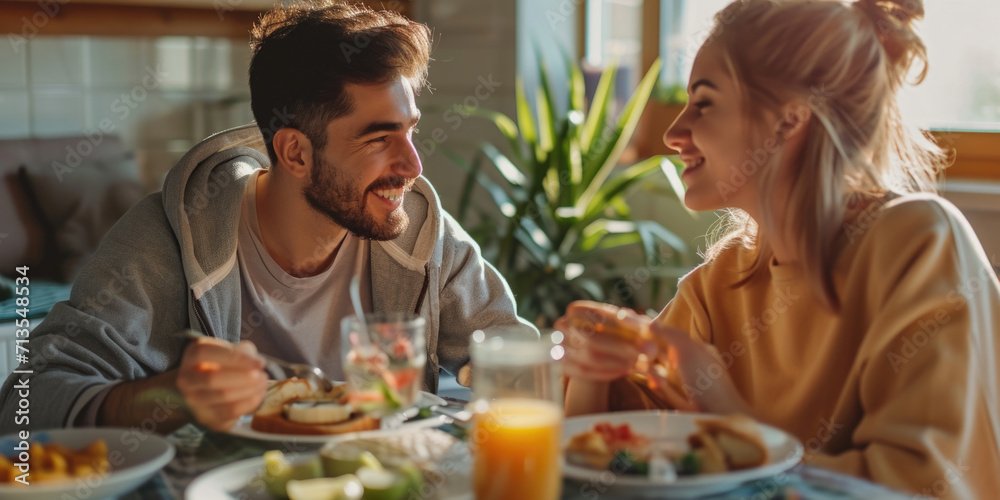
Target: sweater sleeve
930, 417
473, 297
115, 327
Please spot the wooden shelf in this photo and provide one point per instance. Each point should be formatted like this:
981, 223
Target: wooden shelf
28, 20
212, 18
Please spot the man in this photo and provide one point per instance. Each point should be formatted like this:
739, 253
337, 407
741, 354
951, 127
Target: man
257, 250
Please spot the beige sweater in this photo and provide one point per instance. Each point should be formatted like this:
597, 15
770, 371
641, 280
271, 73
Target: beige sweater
901, 387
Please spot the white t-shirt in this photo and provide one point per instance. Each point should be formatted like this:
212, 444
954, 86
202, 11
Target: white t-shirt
296, 319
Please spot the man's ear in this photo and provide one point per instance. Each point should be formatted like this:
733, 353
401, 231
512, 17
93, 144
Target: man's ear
294, 152
795, 118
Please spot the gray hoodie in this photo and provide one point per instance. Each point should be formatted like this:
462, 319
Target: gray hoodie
170, 264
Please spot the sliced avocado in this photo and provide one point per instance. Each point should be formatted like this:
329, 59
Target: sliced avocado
382, 484
340, 460
346, 487
278, 471
367, 459
414, 478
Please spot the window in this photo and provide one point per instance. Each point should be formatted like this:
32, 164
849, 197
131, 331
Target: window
614, 36
962, 89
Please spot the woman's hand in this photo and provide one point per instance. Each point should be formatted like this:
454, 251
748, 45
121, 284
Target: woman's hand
594, 351
220, 381
705, 382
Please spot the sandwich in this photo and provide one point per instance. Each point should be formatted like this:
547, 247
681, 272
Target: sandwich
590, 316
626, 324
294, 406
729, 443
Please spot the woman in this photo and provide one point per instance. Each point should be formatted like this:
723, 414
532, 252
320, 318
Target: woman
847, 304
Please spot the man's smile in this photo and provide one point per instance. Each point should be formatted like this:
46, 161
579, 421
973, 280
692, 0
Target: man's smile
390, 194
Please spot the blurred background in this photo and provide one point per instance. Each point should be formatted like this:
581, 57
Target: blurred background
100, 98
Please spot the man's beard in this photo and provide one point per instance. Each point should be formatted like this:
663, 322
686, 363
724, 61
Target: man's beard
334, 195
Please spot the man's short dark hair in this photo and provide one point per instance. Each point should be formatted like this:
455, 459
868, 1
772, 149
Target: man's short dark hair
303, 54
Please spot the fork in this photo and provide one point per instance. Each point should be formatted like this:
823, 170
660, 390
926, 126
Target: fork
313, 374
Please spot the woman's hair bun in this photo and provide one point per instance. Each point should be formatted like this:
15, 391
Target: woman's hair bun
894, 23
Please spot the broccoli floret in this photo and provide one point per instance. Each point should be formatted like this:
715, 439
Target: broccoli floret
689, 464
626, 462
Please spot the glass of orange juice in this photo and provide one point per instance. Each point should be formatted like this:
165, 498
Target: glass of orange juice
517, 401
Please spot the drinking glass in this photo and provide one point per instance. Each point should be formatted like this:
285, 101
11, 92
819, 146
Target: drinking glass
384, 372
518, 407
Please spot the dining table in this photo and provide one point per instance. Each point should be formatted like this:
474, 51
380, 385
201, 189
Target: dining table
199, 450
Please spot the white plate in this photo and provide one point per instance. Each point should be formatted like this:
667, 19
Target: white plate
243, 429
241, 480
135, 456
785, 451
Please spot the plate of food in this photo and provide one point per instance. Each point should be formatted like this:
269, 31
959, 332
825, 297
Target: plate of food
681, 455
95, 462
296, 410
374, 465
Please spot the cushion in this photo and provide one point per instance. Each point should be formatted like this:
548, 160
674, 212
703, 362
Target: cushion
22, 240
6, 288
77, 208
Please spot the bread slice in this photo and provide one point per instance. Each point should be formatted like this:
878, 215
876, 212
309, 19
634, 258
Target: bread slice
270, 416
739, 438
710, 454
277, 424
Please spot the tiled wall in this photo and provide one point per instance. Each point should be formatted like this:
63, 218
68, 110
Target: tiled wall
479, 49
160, 94
473, 40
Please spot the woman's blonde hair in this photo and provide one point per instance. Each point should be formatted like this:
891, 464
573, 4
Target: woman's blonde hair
846, 62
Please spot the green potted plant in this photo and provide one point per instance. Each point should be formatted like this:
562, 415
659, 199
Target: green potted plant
559, 225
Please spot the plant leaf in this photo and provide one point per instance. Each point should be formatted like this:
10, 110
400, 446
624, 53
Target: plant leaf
653, 231
591, 287
507, 169
524, 119
598, 229
670, 166
620, 182
598, 115
546, 108
500, 197
504, 124
626, 125
577, 86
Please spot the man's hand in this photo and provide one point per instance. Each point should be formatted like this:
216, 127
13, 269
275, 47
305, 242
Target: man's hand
220, 381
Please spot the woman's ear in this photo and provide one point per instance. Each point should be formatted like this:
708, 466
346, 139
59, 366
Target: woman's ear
294, 151
795, 117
